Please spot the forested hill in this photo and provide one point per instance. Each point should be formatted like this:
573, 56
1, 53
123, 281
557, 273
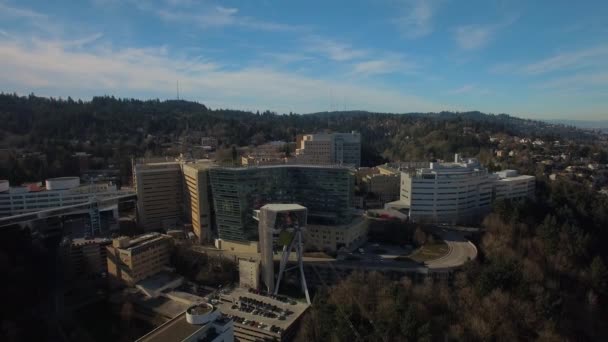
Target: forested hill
37, 121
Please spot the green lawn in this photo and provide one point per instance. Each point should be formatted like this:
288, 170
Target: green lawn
429, 252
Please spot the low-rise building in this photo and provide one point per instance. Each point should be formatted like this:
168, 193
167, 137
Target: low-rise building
256, 160
131, 260
88, 257
272, 319
333, 238
211, 142
384, 186
199, 323
508, 184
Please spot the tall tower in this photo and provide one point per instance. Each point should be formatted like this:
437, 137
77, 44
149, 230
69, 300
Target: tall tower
280, 228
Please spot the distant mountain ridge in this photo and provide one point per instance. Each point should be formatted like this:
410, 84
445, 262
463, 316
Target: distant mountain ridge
106, 118
584, 124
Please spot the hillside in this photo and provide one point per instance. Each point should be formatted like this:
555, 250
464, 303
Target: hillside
117, 129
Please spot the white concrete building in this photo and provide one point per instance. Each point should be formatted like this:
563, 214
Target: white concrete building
508, 184
57, 192
458, 192
329, 148
446, 192
200, 322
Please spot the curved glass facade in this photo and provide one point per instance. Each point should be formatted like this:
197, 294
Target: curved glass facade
326, 192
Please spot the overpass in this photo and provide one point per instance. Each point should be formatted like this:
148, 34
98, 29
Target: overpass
93, 204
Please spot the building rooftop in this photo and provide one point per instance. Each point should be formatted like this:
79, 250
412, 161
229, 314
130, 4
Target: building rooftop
143, 240
161, 305
76, 188
83, 241
283, 207
324, 166
177, 329
294, 309
516, 178
201, 164
159, 282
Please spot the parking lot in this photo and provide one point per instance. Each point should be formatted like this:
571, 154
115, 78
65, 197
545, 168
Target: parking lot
261, 311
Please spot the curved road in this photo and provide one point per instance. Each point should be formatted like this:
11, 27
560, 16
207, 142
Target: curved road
460, 250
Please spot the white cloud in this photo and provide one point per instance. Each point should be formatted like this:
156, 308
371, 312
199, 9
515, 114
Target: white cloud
473, 36
595, 57
217, 17
60, 68
181, 2
568, 60
16, 12
576, 81
470, 37
285, 57
333, 50
467, 88
417, 20
380, 66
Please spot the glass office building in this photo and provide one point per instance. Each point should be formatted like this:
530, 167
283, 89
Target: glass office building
326, 191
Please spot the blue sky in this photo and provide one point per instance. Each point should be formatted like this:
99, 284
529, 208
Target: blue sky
537, 59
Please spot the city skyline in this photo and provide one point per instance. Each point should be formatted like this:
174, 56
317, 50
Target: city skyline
542, 60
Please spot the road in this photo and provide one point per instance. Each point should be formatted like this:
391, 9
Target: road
460, 251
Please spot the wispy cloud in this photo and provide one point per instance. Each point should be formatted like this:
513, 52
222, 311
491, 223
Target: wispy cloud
59, 68
467, 88
16, 12
568, 60
417, 18
387, 65
576, 81
331, 49
217, 17
594, 57
471, 37
471, 89
286, 57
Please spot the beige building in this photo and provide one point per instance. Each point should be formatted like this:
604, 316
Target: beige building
131, 260
159, 194
332, 238
197, 201
88, 256
384, 186
329, 148
249, 273
256, 160
237, 246
210, 142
